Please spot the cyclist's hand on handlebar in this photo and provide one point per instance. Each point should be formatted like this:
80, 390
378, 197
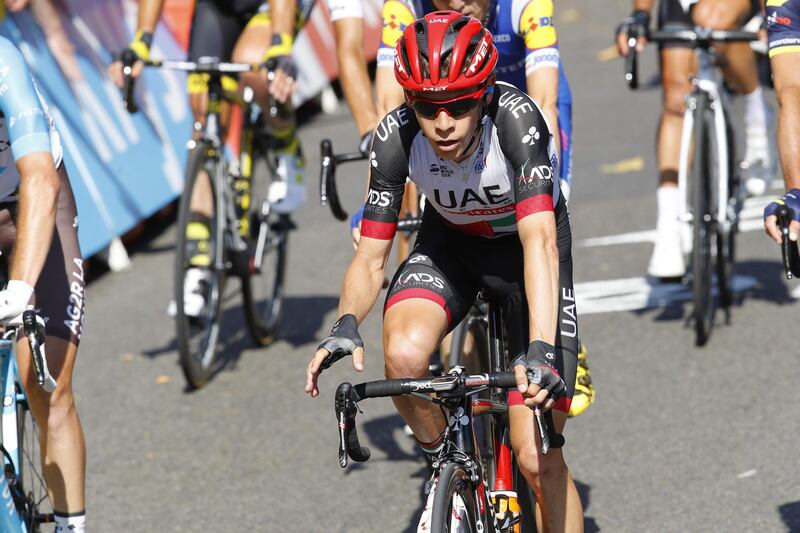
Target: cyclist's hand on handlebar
638, 24
14, 300
283, 70
344, 340
791, 200
537, 378
139, 46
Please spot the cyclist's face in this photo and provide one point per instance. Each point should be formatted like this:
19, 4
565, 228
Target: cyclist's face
472, 8
449, 136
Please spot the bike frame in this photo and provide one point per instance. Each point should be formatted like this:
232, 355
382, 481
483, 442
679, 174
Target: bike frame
708, 81
10, 519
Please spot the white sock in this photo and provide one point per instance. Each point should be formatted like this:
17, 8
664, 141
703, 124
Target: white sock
756, 111
70, 523
667, 205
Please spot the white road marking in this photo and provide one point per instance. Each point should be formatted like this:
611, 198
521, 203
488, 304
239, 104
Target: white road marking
749, 473
750, 220
633, 294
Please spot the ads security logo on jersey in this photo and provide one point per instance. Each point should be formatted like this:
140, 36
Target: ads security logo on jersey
441, 169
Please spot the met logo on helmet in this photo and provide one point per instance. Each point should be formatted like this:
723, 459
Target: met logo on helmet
480, 54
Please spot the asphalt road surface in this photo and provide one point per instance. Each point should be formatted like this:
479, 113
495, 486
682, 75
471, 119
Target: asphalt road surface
679, 439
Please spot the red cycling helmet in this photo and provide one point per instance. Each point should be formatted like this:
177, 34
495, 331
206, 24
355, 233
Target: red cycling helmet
449, 41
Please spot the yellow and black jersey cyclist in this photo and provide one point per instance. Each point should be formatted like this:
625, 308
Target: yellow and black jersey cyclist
247, 31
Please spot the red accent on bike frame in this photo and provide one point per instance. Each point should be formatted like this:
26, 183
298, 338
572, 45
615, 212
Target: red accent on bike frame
378, 230
425, 294
504, 479
534, 204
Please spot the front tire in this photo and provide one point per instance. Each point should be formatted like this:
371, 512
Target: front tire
198, 336
704, 240
35, 508
455, 509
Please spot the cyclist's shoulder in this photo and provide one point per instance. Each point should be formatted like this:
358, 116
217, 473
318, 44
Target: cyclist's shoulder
397, 14
511, 105
14, 75
399, 126
533, 21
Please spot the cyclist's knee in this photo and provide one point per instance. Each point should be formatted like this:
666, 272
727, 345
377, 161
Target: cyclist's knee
675, 93
407, 353
540, 469
718, 14
62, 404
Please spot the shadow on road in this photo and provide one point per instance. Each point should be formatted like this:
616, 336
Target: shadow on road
770, 286
589, 523
790, 514
301, 321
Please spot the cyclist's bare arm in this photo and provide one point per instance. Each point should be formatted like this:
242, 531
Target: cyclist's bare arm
360, 290
389, 93
543, 88
146, 21
537, 233
353, 73
38, 195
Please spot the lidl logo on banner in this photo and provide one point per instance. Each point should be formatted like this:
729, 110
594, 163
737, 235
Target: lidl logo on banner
396, 16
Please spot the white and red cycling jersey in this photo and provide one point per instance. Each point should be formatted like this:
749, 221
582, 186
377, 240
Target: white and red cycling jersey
508, 177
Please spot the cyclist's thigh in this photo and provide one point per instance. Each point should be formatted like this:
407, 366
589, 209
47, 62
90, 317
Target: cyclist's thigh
722, 14
432, 273
254, 39
59, 292
345, 9
213, 34
677, 64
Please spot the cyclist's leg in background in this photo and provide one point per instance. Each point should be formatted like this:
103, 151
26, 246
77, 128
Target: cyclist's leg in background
348, 26
213, 34
741, 73
784, 37
290, 193
426, 299
60, 298
677, 62
409, 208
558, 503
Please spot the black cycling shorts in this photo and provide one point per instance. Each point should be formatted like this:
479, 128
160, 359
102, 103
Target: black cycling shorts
449, 267
59, 293
216, 26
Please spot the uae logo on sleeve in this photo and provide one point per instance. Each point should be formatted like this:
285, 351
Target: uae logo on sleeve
531, 137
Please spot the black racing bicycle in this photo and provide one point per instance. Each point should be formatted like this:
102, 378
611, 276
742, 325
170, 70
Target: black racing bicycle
247, 239
711, 196
474, 477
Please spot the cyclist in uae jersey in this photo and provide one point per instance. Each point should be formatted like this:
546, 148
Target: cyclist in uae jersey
528, 58
783, 28
526, 41
38, 232
496, 221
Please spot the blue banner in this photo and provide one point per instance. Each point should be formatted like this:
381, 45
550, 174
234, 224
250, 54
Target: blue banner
123, 167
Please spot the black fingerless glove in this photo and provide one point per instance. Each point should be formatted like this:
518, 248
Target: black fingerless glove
343, 340
540, 365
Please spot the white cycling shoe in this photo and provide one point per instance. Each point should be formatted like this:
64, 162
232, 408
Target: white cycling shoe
757, 168
195, 285
667, 259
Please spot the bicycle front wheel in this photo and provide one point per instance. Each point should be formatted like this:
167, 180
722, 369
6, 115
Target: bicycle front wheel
34, 505
267, 235
455, 509
703, 222
199, 271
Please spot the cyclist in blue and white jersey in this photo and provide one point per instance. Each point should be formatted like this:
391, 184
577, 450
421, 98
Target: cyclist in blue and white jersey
39, 235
